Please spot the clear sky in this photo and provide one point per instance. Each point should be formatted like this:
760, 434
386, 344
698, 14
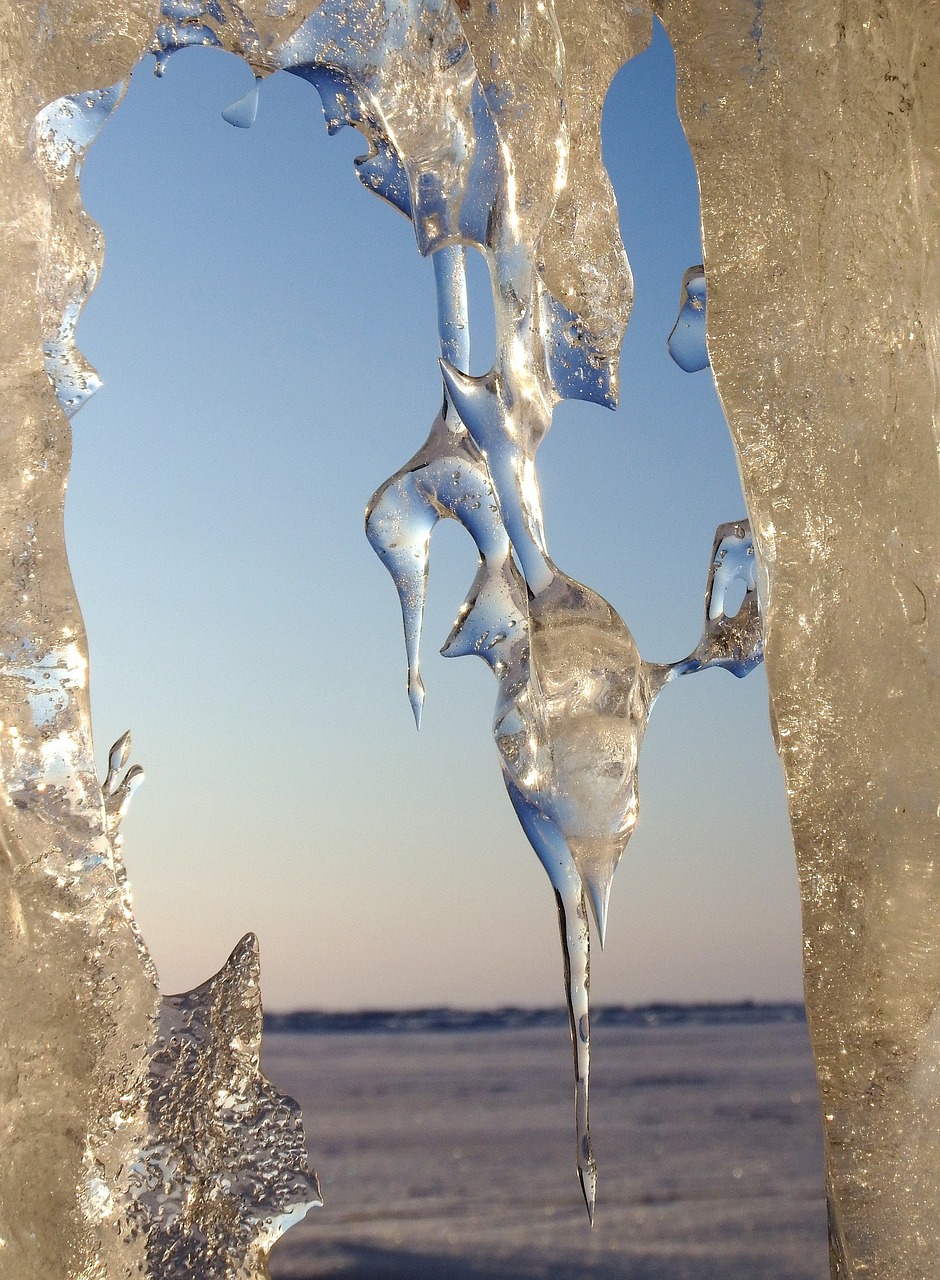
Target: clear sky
266, 333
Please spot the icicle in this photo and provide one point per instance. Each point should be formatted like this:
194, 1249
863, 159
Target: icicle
595, 699
555, 857
118, 757
574, 695
446, 478
486, 407
118, 795
492, 624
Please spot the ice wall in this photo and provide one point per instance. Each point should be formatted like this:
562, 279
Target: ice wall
95, 1069
814, 130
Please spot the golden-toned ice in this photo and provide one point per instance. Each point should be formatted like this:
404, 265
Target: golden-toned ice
80, 1009
814, 128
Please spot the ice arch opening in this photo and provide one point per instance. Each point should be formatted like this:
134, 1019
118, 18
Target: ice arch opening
273, 319
865, 876
640, 562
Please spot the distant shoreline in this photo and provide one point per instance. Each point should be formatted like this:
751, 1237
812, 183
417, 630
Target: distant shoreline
446, 1020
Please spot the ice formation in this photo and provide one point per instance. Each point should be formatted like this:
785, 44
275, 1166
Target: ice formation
687, 341
574, 695
814, 133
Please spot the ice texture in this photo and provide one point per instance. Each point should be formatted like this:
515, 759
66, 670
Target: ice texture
732, 636
64, 130
80, 1016
223, 1171
814, 134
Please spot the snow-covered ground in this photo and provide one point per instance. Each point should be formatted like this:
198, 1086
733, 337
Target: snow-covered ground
452, 1155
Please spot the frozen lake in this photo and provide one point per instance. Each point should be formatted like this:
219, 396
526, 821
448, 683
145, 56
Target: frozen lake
452, 1155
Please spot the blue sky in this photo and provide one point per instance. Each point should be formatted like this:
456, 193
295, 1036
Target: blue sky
266, 334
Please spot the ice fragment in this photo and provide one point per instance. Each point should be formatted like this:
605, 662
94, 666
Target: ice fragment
223, 1171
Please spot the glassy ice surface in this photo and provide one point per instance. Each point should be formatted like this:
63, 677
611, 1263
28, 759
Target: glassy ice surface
447, 478
733, 635
243, 113
460, 156
574, 694
224, 1171
64, 130
687, 344
482, 123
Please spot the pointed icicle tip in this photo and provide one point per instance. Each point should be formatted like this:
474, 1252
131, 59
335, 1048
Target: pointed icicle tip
458, 644
588, 1178
120, 752
598, 892
416, 698
117, 759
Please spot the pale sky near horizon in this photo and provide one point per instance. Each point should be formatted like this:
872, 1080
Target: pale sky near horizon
265, 331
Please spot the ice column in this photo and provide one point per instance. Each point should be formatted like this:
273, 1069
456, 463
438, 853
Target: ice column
814, 128
138, 1136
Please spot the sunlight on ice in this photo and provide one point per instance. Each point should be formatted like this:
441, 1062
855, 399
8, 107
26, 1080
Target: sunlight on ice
482, 124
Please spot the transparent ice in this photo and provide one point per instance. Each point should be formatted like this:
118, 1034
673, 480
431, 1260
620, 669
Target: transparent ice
687, 341
145, 1142
574, 695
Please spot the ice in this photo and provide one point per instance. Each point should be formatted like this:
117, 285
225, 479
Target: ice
64, 131
814, 139
507, 426
223, 1171
118, 793
243, 113
447, 477
454, 149
574, 699
687, 341
732, 636
217, 1166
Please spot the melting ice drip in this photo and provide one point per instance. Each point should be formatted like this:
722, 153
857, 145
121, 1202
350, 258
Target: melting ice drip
469, 137
687, 340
